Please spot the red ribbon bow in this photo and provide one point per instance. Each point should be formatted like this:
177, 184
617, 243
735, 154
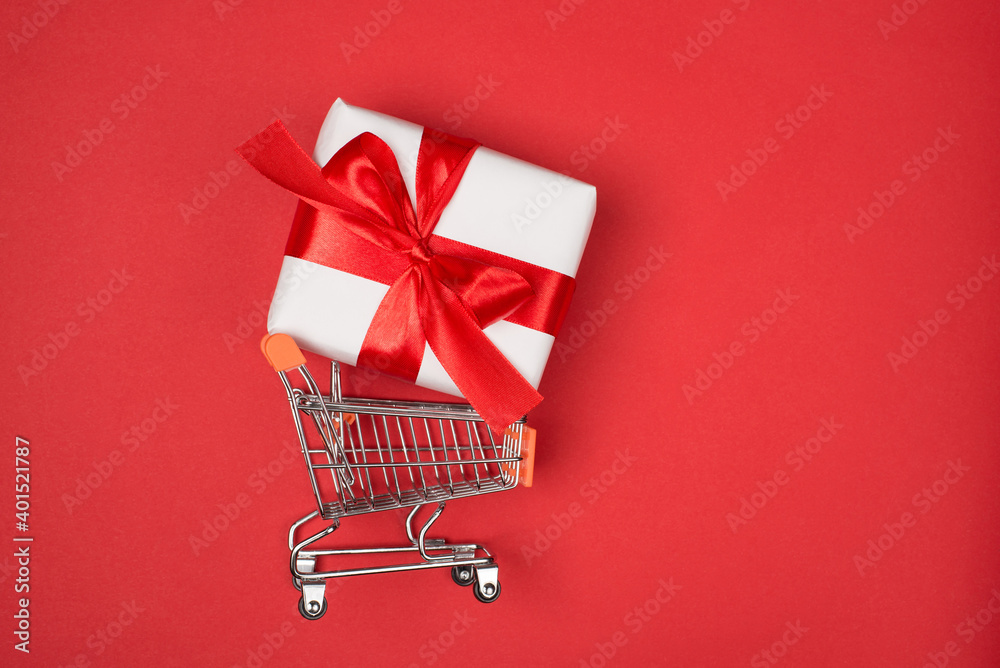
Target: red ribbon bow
356, 216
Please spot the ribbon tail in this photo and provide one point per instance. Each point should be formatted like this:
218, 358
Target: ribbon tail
395, 338
277, 156
365, 206
487, 379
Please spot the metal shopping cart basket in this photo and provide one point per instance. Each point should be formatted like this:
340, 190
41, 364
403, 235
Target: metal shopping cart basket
370, 455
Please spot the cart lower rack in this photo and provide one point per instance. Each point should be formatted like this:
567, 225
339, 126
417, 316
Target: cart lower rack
370, 455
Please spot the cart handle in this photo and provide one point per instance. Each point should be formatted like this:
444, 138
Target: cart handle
282, 352
284, 355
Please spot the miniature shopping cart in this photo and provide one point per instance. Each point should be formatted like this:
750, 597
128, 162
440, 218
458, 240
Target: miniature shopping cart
369, 455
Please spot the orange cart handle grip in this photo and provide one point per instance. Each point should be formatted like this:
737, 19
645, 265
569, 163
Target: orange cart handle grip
282, 352
527, 450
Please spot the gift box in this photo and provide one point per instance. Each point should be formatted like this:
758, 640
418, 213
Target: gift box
406, 236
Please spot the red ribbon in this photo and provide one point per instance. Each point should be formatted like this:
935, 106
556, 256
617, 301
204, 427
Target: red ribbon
356, 216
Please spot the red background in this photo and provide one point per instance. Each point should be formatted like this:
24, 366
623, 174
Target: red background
170, 333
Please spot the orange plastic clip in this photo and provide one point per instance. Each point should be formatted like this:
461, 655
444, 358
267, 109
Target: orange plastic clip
282, 352
527, 455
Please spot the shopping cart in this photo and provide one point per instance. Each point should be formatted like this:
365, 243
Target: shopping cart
370, 455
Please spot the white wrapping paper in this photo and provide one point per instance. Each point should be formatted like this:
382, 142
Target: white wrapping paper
501, 204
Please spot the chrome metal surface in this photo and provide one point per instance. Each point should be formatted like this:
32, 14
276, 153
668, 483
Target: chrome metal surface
370, 455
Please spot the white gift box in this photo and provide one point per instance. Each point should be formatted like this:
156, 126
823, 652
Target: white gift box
502, 204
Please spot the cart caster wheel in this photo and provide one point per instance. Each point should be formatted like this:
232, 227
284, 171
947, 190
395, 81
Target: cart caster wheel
463, 575
308, 614
487, 598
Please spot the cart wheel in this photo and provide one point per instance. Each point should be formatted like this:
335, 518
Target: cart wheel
463, 575
484, 598
305, 613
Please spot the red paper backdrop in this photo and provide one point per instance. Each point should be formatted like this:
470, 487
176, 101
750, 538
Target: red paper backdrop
862, 405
